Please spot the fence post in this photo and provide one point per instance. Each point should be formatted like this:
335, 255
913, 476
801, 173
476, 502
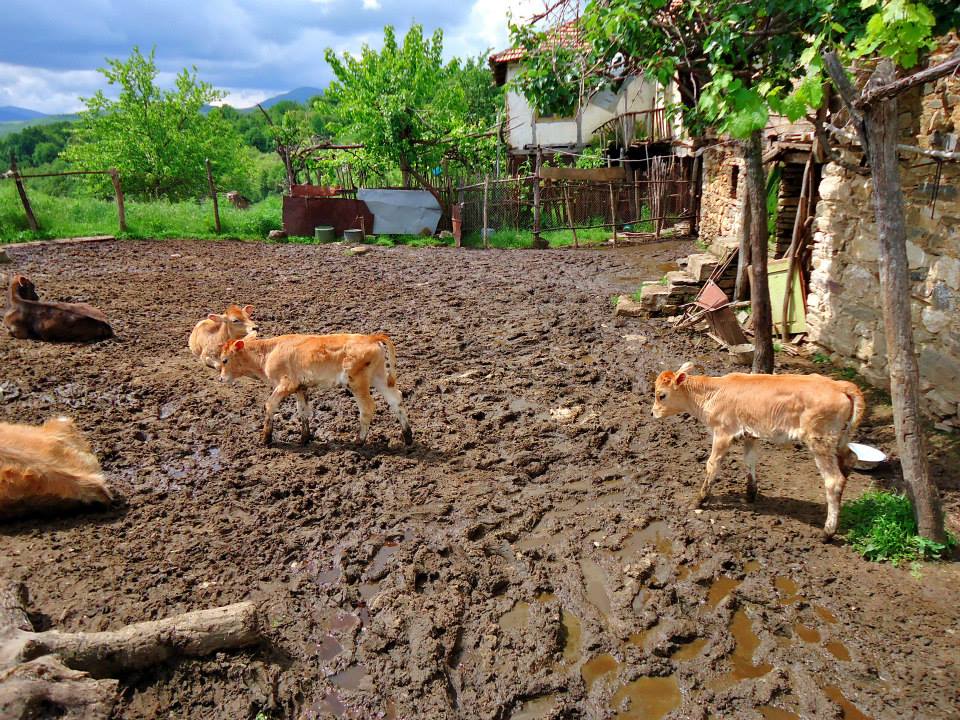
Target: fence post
566, 202
538, 242
213, 194
118, 191
613, 214
31, 218
458, 227
486, 196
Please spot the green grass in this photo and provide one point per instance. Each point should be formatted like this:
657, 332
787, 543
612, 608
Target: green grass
508, 238
880, 526
78, 216
821, 358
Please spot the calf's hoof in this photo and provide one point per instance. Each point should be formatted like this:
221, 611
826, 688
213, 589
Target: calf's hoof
697, 502
266, 439
826, 536
407, 436
305, 438
751, 493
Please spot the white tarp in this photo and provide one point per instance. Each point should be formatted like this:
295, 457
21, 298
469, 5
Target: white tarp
401, 212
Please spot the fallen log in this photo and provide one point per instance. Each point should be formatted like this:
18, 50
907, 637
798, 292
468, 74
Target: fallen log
70, 670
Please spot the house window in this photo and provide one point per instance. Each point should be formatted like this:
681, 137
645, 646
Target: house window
734, 180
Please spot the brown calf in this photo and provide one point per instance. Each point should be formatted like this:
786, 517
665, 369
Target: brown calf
210, 334
29, 318
820, 412
292, 364
46, 468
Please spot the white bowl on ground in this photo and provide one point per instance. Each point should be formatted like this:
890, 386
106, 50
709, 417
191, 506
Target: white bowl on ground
868, 457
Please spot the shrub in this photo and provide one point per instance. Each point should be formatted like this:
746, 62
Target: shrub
880, 526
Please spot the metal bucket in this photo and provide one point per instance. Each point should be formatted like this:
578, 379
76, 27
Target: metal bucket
353, 235
324, 233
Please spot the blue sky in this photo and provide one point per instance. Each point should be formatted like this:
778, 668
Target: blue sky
49, 51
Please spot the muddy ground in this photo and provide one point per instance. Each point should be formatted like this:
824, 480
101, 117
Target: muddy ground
531, 556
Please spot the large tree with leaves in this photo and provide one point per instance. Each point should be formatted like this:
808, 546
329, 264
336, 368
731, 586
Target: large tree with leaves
412, 110
158, 139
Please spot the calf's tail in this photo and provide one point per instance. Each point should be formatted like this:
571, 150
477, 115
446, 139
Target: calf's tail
859, 408
391, 357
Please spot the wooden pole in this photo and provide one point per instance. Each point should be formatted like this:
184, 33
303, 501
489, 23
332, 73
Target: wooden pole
118, 191
756, 187
613, 214
799, 232
213, 194
566, 202
31, 218
538, 242
486, 193
458, 232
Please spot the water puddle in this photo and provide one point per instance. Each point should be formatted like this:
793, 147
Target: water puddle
572, 636
742, 658
650, 698
516, 617
351, 678
639, 639
690, 650
850, 711
328, 648
838, 650
683, 572
656, 533
328, 577
341, 621
788, 590
597, 667
721, 587
368, 590
774, 713
535, 708
806, 633
330, 705
596, 593
751, 566
383, 557
825, 614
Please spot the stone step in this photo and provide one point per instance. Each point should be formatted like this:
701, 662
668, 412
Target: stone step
702, 265
656, 298
678, 278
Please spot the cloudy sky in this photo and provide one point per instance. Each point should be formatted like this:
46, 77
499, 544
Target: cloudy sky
49, 51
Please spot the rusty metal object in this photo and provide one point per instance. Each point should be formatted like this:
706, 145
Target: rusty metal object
302, 215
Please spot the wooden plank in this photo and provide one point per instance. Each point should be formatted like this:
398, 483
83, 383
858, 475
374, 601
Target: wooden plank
584, 174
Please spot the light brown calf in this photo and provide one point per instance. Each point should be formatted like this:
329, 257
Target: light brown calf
820, 412
212, 332
47, 467
293, 364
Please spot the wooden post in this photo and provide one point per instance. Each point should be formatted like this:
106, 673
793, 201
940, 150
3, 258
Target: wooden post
566, 202
31, 218
213, 194
118, 191
538, 242
486, 193
741, 289
613, 214
458, 228
760, 306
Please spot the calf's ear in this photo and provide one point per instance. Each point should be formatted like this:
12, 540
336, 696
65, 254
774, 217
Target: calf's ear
248, 309
238, 345
679, 379
213, 316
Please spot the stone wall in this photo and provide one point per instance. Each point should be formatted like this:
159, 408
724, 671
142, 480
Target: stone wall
720, 205
844, 312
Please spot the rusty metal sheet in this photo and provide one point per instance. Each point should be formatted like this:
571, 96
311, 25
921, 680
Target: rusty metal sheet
302, 214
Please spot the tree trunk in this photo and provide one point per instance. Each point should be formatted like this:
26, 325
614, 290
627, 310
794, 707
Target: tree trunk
759, 286
880, 136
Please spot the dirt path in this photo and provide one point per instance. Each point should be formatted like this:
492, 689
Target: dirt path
531, 556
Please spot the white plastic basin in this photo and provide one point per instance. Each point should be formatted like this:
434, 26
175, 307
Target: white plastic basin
867, 456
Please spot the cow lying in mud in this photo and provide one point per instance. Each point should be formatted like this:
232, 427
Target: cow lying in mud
30, 318
210, 334
820, 412
293, 364
46, 468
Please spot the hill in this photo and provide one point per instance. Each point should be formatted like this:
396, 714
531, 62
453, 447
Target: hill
12, 112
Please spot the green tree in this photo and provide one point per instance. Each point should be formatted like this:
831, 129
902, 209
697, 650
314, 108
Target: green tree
158, 139
410, 109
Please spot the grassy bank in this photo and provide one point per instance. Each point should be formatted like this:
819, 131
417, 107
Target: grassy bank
78, 216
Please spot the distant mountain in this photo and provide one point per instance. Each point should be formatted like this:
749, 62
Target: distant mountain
11, 112
300, 95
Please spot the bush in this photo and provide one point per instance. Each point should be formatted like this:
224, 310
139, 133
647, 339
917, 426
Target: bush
880, 526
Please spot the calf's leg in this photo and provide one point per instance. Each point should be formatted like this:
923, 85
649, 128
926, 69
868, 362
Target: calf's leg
361, 393
303, 408
721, 444
750, 457
394, 399
270, 409
833, 482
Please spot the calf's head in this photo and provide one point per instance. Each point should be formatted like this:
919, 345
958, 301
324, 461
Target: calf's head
24, 288
670, 396
232, 356
237, 321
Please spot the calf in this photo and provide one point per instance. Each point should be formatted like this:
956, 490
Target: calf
292, 364
29, 318
47, 467
210, 334
820, 412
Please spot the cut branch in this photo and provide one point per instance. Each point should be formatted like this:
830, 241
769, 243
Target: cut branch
897, 87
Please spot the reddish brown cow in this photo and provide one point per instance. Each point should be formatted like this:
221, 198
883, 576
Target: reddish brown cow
29, 318
818, 411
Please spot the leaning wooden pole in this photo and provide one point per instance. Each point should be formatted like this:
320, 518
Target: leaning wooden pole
31, 218
566, 202
213, 195
613, 214
486, 199
538, 242
118, 192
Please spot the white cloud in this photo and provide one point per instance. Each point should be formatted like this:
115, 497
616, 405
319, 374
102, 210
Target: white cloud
47, 91
371, 5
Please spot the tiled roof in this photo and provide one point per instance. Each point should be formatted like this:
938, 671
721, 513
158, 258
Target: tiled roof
567, 35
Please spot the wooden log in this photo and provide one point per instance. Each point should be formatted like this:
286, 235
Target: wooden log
47, 685
118, 191
566, 202
800, 228
31, 218
213, 195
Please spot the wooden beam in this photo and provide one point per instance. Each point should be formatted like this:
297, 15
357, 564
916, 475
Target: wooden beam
900, 86
584, 174
31, 218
